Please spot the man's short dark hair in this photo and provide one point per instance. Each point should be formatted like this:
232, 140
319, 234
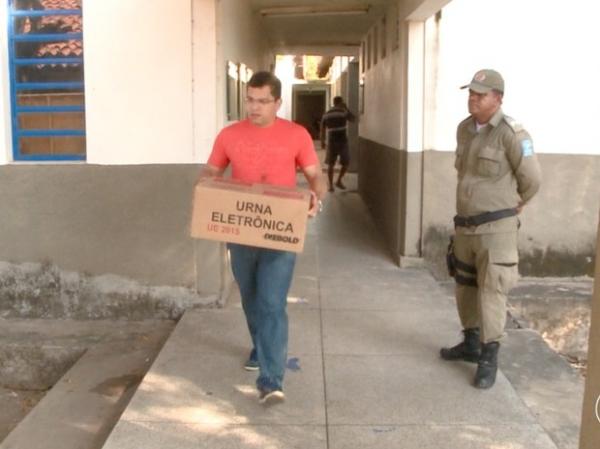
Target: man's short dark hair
261, 79
337, 101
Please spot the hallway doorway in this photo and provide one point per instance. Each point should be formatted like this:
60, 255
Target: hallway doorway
309, 105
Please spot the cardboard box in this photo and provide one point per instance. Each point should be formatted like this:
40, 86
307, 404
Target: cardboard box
251, 214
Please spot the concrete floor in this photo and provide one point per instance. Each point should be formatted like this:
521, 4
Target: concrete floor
363, 370
14, 406
83, 373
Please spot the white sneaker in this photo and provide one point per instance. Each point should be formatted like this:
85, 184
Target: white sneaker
270, 397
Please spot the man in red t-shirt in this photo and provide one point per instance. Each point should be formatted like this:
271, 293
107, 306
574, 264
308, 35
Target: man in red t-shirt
266, 149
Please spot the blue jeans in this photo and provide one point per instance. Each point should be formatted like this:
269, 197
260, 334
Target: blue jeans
264, 277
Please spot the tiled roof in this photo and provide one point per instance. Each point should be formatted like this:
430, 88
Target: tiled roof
61, 49
61, 4
62, 24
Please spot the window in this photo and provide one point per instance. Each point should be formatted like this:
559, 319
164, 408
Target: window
361, 95
375, 45
396, 40
233, 91
362, 57
245, 75
369, 51
244, 78
47, 86
383, 38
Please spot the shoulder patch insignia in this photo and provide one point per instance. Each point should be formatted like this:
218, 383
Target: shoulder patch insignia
527, 147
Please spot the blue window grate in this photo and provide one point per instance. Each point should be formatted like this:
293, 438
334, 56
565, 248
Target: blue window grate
46, 80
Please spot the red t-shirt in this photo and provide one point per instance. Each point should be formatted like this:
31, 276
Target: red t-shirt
267, 155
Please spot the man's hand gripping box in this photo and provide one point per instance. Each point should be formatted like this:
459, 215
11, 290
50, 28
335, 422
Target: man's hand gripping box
251, 214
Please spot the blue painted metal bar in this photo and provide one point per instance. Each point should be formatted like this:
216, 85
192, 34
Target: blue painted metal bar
15, 86
58, 37
51, 132
44, 12
36, 61
44, 109
49, 157
46, 86
13, 91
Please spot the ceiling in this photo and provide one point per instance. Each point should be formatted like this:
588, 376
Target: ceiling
321, 32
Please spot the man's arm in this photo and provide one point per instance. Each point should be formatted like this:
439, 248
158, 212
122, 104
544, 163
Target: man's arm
525, 166
210, 171
349, 115
314, 176
323, 131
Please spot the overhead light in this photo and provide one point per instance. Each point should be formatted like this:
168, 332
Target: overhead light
317, 10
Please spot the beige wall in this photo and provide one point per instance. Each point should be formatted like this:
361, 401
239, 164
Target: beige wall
590, 424
130, 221
382, 186
92, 241
558, 226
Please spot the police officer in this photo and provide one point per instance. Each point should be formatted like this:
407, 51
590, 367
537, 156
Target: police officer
498, 173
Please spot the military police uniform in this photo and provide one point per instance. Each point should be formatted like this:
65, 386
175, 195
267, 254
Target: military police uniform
497, 171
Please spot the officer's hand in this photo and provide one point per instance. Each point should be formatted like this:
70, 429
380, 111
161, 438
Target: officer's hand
520, 207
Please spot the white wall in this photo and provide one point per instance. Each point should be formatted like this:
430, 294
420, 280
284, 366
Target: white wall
155, 87
138, 75
240, 39
546, 52
393, 92
205, 78
383, 83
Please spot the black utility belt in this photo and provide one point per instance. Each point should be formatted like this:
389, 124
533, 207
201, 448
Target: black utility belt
486, 217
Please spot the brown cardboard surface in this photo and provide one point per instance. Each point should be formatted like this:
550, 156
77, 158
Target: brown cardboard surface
590, 421
251, 214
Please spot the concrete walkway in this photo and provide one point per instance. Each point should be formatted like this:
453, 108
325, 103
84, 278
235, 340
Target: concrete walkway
363, 369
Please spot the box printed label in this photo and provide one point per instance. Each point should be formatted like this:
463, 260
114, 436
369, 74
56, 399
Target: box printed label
256, 215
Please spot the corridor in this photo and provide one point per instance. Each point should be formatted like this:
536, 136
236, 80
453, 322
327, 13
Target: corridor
363, 366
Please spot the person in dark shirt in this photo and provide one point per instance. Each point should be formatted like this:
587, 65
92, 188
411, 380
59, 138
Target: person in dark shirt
335, 123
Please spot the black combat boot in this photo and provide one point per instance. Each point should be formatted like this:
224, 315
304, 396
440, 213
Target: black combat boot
467, 350
487, 365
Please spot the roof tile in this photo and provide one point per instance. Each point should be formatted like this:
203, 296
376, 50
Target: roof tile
62, 24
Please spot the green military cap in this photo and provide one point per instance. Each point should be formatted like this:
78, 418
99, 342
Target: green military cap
486, 80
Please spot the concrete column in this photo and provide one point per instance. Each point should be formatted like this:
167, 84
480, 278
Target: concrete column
411, 221
590, 421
